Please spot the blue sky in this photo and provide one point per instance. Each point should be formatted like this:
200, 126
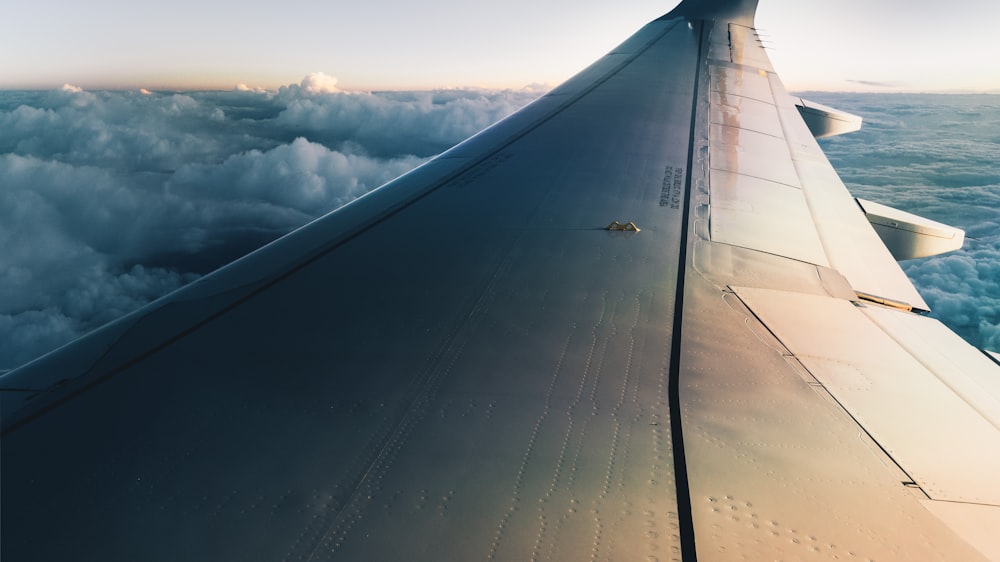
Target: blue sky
377, 44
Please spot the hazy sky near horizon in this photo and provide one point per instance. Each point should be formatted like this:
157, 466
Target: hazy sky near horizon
850, 45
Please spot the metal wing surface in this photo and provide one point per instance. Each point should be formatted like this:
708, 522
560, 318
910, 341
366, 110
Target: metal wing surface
640, 319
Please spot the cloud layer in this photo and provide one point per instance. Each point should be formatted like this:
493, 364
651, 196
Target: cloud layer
111, 199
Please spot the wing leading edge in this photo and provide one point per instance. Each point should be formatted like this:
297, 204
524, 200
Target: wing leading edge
466, 364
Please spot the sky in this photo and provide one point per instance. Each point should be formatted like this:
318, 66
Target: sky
850, 45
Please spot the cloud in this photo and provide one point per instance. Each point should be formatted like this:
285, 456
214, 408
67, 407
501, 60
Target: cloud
67, 235
302, 175
241, 87
112, 199
394, 123
319, 83
964, 289
876, 83
58, 220
28, 334
125, 131
93, 296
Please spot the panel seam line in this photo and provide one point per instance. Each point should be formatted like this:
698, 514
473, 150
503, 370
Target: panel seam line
684, 514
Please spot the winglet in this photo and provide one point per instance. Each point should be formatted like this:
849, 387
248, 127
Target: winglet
736, 11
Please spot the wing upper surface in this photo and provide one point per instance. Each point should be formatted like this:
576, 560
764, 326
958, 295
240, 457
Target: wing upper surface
465, 364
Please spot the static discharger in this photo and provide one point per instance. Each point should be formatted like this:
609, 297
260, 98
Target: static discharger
884, 301
627, 227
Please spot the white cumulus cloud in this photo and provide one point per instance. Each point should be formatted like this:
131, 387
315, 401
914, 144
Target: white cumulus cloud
319, 83
302, 175
390, 123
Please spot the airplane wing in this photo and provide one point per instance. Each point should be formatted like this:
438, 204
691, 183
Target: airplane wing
640, 319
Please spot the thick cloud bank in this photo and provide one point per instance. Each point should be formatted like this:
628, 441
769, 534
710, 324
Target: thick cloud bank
109, 200
937, 156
